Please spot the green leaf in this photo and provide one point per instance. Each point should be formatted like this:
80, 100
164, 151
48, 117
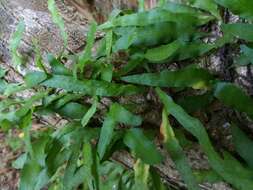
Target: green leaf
117, 177
42, 180
15, 42
243, 145
161, 3
163, 52
38, 57
13, 88
238, 30
195, 49
107, 72
142, 146
91, 87
89, 155
246, 57
234, 97
156, 180
154, 16
176, 152
58, 20
209, 176
195, 103
20, 161
57, 67
126, 38
208, 5
88, 162
238, 176
28, 104
87, 53
28, 179
39, 146
186, 9
3, 86
71, 167
25, 125
73, 110
151, 35
190, 76
141, 174
141, 4
135, 61
116, 114
66, 99
89, 114
240, 7
34, 78
109, 42
106, 136
122, 115
2, 72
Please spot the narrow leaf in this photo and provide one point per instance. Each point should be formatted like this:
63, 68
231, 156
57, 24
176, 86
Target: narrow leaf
89, 114
208, 5
239, 178
176, 152
233, 96
187, 77
142, 147
15, 43
141, 174
91, 87
58, 20
243, 145
163, 52
117, 114
240, 7
153, 16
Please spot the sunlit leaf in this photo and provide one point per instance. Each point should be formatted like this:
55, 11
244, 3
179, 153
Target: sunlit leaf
163, 52
73, 110
58, 20
87, 53
176, 152
89, 114
141, 174
38, 57
25, 125
57, 67
15, 43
